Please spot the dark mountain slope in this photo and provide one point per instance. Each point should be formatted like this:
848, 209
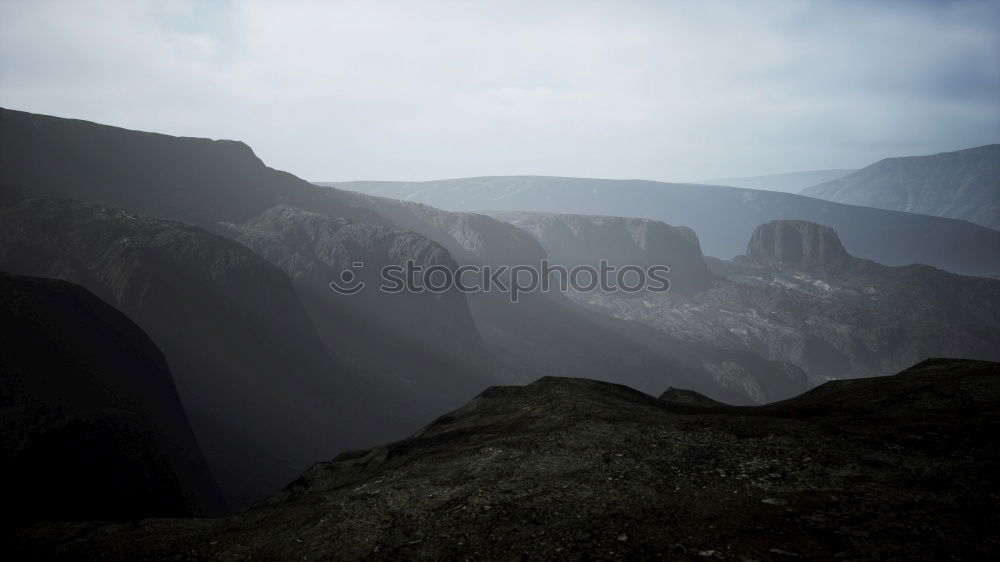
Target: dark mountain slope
224, 188
570, 468
194, 180
723, 217
964, 184
91, 426
262, 394
932, 387
420, 351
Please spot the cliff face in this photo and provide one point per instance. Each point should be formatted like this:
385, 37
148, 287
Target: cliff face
91, 425
585, 240
964, 184
797, 245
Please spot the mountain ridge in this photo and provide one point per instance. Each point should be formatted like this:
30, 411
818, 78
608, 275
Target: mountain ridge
604, 470
962, 184
787, 182
724, 217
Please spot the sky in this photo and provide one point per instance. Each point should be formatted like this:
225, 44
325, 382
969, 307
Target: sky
671, 91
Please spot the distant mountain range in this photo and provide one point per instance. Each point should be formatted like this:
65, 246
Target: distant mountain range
790, 182
964, 184
723, 217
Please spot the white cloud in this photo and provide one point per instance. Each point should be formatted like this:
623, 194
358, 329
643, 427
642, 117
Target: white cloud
421, 90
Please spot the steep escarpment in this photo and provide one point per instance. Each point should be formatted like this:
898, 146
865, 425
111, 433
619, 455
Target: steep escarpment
570, 468
261, 392
91, 425
572, 240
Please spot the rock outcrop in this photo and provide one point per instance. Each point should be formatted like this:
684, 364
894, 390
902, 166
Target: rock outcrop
796, 244
586, 239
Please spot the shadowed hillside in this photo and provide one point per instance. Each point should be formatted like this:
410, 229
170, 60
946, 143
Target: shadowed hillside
91, 425
889, 468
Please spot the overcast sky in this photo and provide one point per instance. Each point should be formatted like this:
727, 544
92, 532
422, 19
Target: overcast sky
423, 90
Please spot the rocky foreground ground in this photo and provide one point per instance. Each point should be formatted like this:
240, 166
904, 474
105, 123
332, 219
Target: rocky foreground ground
900, 467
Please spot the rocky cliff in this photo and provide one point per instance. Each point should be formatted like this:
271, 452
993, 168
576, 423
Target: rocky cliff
586, 239
797, 245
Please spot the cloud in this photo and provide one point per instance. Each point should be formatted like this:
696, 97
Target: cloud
420, 90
